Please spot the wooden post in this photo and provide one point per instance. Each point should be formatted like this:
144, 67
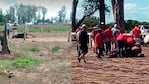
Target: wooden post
41, 28
25, 26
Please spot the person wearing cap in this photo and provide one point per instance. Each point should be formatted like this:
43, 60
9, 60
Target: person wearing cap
99, 43
83, 42
115, 33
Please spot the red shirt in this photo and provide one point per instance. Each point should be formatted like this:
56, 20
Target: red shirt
136, 32
120, 37
108, 34
129, 40
98, 40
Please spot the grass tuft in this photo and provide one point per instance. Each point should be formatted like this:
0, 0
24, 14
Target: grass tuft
55, 48
35, 49
26, 62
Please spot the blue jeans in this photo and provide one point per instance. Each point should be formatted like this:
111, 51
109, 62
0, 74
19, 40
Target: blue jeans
78, 50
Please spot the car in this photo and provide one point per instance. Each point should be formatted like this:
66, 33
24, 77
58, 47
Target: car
144, 28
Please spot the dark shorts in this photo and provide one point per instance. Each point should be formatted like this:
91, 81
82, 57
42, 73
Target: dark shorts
84, 48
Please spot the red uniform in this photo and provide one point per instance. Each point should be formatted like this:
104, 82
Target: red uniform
136, 32
120, 37
98, 40
129, 40
108, 34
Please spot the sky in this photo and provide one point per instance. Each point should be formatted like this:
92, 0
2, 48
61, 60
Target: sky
133, 9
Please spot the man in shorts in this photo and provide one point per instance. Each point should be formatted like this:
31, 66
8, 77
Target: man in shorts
83, 42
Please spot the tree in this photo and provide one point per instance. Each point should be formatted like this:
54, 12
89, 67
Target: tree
62, 14
90, 7
89, 10
4, 42
44, 11
91, 21
118, 12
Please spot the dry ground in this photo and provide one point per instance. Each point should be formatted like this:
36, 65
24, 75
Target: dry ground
55, 69
110, 70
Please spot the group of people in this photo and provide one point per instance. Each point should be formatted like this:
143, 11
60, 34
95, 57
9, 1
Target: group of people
109, 41
12, 28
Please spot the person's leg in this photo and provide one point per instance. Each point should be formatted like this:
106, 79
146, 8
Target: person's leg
84, 50
78, 50
108, 46
106, 43
120, 48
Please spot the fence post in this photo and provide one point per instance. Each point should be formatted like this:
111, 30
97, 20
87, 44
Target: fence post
25, 27
41, 28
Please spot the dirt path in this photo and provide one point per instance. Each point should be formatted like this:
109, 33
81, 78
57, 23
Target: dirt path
110, 70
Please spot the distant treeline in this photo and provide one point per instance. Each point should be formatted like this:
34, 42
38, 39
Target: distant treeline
129, 24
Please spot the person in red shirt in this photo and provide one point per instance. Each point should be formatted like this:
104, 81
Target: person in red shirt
99, 43
108, 39
136, 33
129, 43
120, 41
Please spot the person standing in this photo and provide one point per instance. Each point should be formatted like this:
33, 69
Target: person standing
77, 38
8, 27
121, 42
83, 42
115, 33
108, 39
99, 43
136, 33
14, 30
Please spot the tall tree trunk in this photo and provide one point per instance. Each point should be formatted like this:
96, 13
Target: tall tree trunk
118, 12
4, 44
73, 15
101, 8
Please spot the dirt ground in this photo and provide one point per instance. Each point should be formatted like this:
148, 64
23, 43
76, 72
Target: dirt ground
133, 70
56, 67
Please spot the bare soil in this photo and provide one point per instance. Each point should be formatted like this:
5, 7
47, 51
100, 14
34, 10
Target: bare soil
131, 70
56, 67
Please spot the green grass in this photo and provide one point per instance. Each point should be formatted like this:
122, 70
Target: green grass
21, 62
26, 62
45, 29
56, 48
34, 49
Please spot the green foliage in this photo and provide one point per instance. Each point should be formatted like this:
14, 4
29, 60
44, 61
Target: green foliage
129, 24
91, 21
55, 48
26, 62
35, 49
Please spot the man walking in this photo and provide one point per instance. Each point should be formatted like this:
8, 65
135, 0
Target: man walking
83, 42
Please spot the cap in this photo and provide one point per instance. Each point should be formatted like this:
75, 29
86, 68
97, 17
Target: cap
83, 26
115, 25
